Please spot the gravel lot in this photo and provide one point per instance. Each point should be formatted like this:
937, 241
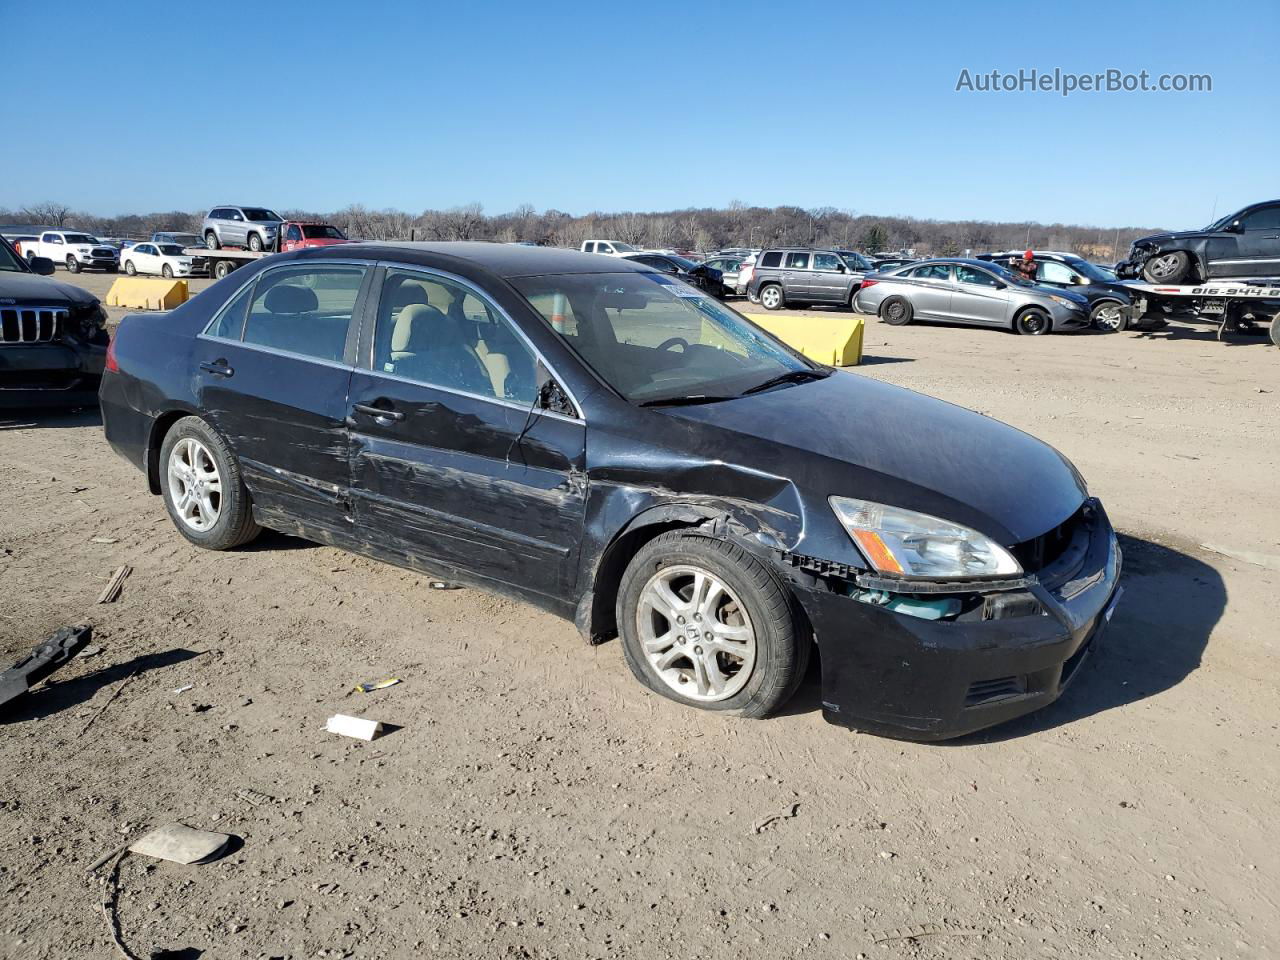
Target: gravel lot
535, 802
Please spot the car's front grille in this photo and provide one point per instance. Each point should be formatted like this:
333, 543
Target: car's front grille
102, 253
31, 324
1037, 553
989, 691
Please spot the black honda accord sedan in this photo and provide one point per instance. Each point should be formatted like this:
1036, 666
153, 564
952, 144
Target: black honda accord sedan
615, 446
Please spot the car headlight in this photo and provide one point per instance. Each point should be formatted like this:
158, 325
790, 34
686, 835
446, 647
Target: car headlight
1063, 301
903, 543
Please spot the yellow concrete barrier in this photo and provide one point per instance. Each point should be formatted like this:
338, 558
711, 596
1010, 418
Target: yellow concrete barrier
148, 293
835, 339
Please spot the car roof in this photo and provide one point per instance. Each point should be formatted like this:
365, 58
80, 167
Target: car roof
501, 259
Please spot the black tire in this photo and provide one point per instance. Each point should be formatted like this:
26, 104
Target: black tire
235, 525
1167, 267
221, 269
1275, 329
753, 297
73, 265
896, 311
772, 297
166, 271
211, 241
784, 643
1033, 322
129, 268
1108, 316
255, 242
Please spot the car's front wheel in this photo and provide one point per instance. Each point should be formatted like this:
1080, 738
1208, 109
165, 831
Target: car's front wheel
771, 297
129, 268
211, 240
166, 271
1033, 322
255, 242
1108, 316
73, 265
1167, 267
706, 623
203, 491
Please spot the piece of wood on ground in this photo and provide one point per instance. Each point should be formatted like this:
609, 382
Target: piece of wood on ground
111, 592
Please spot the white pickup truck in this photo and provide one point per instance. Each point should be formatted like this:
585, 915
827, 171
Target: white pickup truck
74, 250
610, 248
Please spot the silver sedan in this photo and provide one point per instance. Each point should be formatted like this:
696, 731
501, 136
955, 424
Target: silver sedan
970, 291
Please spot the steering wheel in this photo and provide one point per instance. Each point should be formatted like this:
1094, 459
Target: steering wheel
674, 342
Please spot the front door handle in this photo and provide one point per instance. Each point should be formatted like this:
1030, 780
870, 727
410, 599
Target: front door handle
378, 413
218, 367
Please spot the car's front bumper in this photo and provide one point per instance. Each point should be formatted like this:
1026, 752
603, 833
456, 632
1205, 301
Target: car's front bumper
50, 374
919, 679
1070, 318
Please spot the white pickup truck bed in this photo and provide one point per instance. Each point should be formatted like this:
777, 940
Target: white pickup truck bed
1232, 304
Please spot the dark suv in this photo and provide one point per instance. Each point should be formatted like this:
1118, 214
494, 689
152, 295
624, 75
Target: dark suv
1242, 244
1110, 302
798, 276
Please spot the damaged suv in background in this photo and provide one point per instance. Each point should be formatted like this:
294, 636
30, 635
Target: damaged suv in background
615, 446
53, 337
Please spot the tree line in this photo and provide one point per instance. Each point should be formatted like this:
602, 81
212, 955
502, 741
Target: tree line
700, 230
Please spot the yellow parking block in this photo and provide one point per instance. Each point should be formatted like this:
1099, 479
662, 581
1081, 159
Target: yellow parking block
148, 293
834, 339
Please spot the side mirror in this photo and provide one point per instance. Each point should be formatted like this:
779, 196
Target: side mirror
1235, 227
1000, 284
840, 268
41, 265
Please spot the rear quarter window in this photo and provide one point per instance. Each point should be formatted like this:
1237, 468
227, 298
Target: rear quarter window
773, 259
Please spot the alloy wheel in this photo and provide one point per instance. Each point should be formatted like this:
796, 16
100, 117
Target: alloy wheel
771, 297
696, 633
195, 485
1165, 266
1108, 317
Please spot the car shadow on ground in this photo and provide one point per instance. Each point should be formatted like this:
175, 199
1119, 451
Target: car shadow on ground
1171, 603
53, 697
1206, 333
50, 418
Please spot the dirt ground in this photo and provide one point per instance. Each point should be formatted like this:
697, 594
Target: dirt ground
535, 802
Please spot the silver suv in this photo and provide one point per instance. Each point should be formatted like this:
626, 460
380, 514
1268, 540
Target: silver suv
255, 228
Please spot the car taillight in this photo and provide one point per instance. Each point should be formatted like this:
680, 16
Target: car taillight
868, 282
111, 357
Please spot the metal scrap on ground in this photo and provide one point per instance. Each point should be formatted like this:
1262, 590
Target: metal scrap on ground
372, 685
61, 646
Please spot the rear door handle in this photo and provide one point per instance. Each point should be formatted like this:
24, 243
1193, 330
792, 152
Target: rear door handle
378, 413
217, 367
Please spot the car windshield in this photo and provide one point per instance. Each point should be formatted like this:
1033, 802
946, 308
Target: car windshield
683, 263
1092, 271
322, 231
856, 261
183, 239
260, 214
170, 249
8, 261
623, 247
654, 338
79, 238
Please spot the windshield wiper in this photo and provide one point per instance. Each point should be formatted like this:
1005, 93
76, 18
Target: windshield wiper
791, 376
685, 400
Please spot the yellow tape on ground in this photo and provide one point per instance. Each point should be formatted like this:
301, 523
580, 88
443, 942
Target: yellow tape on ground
834, 339
148, 293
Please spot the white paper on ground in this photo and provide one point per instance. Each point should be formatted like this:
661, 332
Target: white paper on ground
357, 727
180, 843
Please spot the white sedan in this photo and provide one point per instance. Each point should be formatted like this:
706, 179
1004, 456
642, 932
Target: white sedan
164, 259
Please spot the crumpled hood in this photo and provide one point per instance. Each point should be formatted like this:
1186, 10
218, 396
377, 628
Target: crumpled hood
1157, 239
23, 288
853, 436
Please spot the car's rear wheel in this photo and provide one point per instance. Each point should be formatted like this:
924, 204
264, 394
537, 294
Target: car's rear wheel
896, 311
211, 240
1033, 322
203, 491
1167, 267
73, 265
706, 623
166, 271
129, 268
753, 297
255, 242
771, 297
1275, 329
221, 268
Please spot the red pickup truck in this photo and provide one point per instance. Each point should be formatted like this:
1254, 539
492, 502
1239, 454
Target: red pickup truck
298, 234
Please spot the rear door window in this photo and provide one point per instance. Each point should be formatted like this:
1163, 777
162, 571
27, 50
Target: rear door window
797, 261
304, 310
934, 271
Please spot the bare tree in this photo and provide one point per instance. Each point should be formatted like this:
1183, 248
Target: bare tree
47, 214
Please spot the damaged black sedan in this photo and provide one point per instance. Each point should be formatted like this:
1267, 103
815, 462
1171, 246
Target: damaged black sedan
615, 446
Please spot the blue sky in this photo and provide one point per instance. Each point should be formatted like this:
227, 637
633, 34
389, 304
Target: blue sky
637, 106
